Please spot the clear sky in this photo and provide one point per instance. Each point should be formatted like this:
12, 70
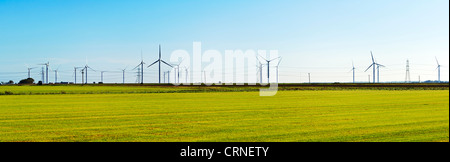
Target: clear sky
321, 37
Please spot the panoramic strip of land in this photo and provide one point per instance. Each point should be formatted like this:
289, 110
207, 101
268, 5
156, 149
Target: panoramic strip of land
227, 114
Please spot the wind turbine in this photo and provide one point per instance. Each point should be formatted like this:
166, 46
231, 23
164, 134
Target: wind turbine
258, 73
46, 72
123, 75
353, 69
56, 74
372, 65
29, 69
75, 72
268, 66
279, 61
177, 71
439, 69
85, 69
259, 70
159, 61
102, 75
142, 68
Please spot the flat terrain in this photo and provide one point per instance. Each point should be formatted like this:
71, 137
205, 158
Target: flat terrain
139, 113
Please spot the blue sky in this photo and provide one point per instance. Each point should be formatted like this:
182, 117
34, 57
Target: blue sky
321, 37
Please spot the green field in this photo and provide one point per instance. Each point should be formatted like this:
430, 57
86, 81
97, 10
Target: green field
139, 113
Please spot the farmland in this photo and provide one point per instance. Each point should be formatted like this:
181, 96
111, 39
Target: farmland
226, 114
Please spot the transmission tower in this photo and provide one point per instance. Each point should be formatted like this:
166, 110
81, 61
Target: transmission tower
138, 77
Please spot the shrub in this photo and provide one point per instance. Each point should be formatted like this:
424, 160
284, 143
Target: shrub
27, 81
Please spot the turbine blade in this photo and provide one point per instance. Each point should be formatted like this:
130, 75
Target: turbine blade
137, 66
274, 59
153, 63
263, 57
160, 52
279, 61
180, 62
167, 63
368, 68
373, 60
436, 60
257, 58
91, 68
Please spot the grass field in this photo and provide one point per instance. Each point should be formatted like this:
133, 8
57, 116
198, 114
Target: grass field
118, 113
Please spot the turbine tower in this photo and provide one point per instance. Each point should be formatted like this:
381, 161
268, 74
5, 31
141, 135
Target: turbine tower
85, 70
372, 65
43, 74
279, 61
168, 76
56, 74
75, 72
176, 67
268, 66
178, 74
102, 75
123, 75
353, 69
141, 64
378, 70
46, 71
186, 70
164, 77
82, 76
309, 78
159, 61
439, 69
259, 70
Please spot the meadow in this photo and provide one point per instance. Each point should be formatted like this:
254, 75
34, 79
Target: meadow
195, 114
